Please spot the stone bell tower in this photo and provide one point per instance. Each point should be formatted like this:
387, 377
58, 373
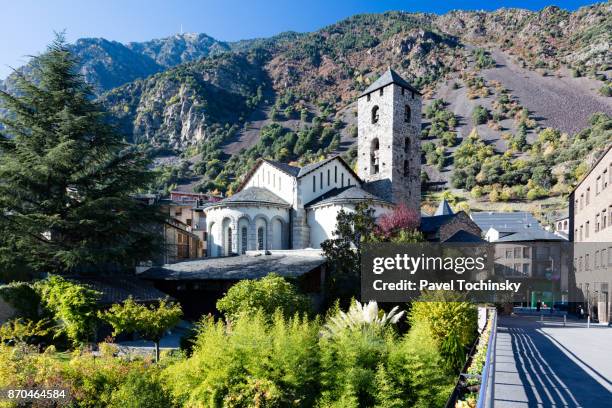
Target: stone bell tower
389, 134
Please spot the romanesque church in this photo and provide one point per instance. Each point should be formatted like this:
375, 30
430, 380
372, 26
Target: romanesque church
279, 206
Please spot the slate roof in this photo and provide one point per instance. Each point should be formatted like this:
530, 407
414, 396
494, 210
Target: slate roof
253, 265
117, 289
464, 236
433, 223
389, 77
253, 195
506, 221
444, 208
531, 235
287, 168
343, 195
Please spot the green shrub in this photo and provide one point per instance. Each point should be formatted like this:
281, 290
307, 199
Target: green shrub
446, 316
252, 363
480, 115
72, 306
141, 388
606, 90
267, 294
23, 297
351, 363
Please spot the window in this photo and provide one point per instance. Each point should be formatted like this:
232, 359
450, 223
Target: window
243, 238
596, 260
517, 252
229, 241
597, 223
188, 222
407, 114
526, 269
581, 231
588, 196
314, 183
381, 91
260, 238
412, 95
328, 177
597, 184
178, 212
581, 201
374, 154
407, 145
586, 229
368, 97
375, 114
587, 265
403, 91
335, 174
406, 168
508, 254
342, 180
321, 179
604, 219
526, 252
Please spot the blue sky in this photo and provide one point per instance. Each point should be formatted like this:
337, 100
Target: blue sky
26, 26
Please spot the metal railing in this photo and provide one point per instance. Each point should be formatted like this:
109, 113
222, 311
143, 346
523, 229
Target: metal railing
486, 394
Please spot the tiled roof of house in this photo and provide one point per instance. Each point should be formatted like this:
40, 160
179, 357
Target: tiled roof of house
389, 77
531, 235
505, 221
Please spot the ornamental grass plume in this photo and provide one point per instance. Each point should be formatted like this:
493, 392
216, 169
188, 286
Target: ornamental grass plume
361, 316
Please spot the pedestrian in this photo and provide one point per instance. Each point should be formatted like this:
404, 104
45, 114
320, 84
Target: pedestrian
539, 305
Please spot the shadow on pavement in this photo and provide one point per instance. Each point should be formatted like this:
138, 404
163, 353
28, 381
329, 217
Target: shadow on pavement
534, 372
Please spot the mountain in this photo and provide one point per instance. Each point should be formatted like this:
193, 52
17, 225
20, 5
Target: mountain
180, 48
109, 64
216, 106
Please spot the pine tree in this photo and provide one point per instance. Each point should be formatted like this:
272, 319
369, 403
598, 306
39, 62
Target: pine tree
67, 176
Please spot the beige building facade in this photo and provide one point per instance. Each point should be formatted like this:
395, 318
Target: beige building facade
591, 231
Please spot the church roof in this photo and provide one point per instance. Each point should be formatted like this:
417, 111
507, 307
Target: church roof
252, 265
287, 168
344, 195
444, 208
296, 171
389, 77
251, 195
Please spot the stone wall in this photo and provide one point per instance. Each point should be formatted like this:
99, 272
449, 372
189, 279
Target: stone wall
399, 166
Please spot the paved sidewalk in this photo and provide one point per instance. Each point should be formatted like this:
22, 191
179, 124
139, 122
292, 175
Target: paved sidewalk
548, 365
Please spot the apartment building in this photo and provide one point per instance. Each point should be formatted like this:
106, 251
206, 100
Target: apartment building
590, 227
524, 251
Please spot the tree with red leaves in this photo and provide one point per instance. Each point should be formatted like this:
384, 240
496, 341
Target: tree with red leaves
402, 218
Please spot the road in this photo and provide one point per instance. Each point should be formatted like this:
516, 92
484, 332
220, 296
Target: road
548, 365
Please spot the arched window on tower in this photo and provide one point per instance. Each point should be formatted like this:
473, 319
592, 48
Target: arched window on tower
375, 114
406, 145
406, 168
374, 156
407, 114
